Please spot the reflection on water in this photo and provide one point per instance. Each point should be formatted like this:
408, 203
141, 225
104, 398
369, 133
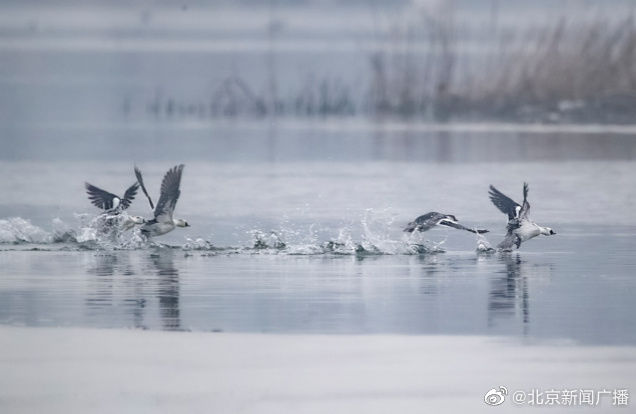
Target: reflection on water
527, 293
100, 294
115, 286
509, 295
168, 289
285, 141
428, 272
509, 291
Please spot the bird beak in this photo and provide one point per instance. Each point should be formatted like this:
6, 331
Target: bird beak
552, 232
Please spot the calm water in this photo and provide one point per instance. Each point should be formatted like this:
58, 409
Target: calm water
577, 285
568, 292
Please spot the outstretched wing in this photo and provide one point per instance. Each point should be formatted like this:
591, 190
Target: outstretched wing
458, 226
140, 180
102, 198
169, 194
525, 207
504, 203
129, 196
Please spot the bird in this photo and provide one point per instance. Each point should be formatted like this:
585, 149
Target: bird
163, 222
110, 202
520, 228
432, 219
113, 206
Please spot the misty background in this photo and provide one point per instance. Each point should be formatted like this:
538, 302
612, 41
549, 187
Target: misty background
276, 80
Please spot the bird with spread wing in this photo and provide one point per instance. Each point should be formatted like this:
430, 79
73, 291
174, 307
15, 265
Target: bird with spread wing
163, 222
520, 228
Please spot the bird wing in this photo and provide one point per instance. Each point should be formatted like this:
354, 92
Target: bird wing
101, 198
129, 196
504, 203
169, 194
458, 226
525, 207
140, 180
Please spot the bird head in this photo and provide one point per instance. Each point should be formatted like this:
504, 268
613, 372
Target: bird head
181, 223
547, 231
137, 219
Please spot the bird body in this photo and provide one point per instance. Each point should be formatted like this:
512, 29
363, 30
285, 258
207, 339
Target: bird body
154, 228
429, 220
527, 230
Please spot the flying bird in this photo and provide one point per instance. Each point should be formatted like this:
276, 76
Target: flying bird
432, 219
520, 228
163, 222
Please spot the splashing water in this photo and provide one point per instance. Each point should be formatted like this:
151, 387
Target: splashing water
102, 232
114, 232
483, 245
108, 231
16, 230
376, 226
264, 241
198, 244
343, 244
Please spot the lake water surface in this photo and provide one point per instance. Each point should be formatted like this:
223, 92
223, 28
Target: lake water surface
258, 256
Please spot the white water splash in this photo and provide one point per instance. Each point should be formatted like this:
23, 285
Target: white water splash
483, 245
376, 227
376, 239
197, 244
63, 232
17, 230
110, 232
267, 241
